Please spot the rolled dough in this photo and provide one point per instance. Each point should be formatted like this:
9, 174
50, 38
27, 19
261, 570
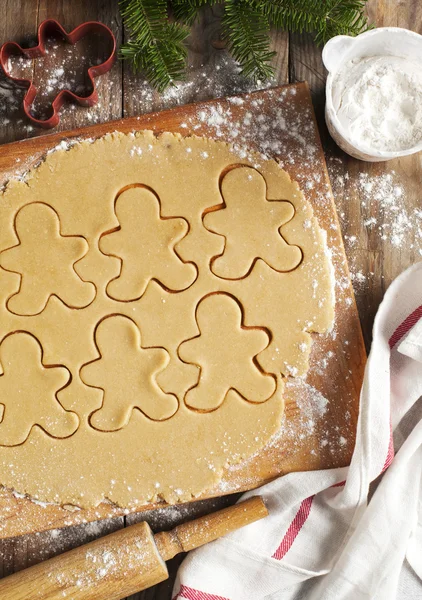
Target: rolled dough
176, 285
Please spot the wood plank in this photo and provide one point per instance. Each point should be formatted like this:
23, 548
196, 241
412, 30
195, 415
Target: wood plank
21, 552
305, 64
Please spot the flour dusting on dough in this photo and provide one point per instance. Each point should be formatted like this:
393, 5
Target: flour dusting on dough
183, 174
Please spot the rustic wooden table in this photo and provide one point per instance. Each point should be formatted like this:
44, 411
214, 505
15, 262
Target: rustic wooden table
380, 243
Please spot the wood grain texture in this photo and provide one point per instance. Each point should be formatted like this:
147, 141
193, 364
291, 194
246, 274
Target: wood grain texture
127, 560
300, 60
110, 567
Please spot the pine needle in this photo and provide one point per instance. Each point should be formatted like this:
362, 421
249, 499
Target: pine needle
323, 18
246, 29
187, 10
156, 46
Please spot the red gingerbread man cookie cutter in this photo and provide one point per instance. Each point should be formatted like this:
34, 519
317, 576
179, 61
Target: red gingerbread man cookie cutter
46, 29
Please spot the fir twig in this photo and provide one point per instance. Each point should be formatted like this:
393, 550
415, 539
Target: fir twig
246, 29
188, 10
156, 46
323, 18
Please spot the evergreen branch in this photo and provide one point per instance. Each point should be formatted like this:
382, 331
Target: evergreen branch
346, 20
246, 28
156, 46
187, 10
324, 18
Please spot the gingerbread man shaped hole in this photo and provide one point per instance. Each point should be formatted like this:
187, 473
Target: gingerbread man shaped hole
145, 243
225, 352
45, 261
251, 226
126, 372
28, 392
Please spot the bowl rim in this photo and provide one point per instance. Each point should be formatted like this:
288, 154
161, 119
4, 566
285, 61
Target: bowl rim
331, 112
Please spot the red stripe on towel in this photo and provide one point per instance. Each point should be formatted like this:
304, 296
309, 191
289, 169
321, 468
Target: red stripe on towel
405, 326
398, 334
189, 593
390, 452
295, 526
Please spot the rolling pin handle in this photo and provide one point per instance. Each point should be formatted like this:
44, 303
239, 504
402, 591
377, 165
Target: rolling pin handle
210, 527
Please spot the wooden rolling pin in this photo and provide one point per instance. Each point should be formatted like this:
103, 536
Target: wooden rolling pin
124, 562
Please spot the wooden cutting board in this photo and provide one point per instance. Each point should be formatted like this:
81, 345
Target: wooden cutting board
318, 429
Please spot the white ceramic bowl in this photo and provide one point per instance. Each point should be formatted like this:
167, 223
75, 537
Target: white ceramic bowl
385, 41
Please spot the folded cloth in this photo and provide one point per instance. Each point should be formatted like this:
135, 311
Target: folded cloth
326, 537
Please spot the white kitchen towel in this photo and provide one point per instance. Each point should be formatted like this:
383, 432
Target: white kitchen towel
325, 538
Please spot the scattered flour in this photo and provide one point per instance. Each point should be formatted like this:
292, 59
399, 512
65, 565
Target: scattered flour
386, 214
11, 98
312, 404
384, 195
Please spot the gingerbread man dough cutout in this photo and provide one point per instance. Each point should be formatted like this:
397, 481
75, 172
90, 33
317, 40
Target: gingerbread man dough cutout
126, 373
145, 244
45, 261
251, 226
28, 392
225, 352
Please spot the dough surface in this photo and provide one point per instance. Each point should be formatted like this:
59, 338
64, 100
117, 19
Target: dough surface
155, 292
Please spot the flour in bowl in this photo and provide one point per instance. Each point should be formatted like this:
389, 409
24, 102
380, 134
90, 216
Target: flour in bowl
378, 100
